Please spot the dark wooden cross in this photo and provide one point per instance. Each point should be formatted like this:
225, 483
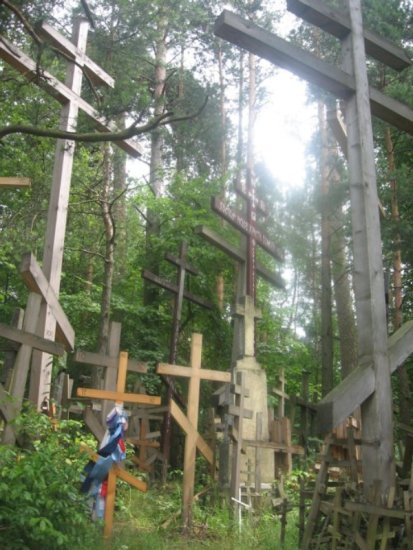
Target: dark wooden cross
350, 84
180, 293
189, 422
68, 95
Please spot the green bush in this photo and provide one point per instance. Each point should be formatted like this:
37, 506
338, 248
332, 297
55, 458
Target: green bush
40, 503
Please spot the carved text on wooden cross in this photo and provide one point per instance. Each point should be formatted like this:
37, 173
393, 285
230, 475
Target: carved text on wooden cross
251, 231
249, 312
190, 422
119, 396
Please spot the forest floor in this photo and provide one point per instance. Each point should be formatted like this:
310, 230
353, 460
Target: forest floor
152, 521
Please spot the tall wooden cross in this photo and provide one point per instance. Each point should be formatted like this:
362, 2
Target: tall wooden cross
68, 95
120, 397
180, 293
350, 84
189, 423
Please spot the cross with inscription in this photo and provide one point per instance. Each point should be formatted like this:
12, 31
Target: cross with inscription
350, 84
180, 293
120, 397
68, 95
189, 423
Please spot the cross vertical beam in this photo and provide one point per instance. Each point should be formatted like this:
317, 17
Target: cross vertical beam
57, 217
368, 267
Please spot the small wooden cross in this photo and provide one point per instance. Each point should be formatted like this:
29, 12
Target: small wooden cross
248, 310
281, 393
119, 396
189, 423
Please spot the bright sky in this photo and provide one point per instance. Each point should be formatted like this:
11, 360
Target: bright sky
283, 128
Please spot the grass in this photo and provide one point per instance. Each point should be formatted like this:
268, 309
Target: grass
152, 521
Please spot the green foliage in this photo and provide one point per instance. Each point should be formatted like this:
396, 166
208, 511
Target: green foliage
40, 503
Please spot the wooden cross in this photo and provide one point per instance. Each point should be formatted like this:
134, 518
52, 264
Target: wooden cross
189, 423
68, 95
249, 312
120, 397
28, 341
110, 362
350, 83
180, 293
281, 393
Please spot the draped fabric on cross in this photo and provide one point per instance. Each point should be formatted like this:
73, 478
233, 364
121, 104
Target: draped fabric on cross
112, 450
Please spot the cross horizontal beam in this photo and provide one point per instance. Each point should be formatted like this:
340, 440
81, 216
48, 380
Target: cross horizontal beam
174, 288
32, 340
92, 70
119, 397
14, 182
28, 68
36, 281
188, 372
342, 401
238, 255
337, 23
100, 360
237, 221
267, 45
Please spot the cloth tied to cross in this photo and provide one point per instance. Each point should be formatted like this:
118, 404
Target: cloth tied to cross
112, 450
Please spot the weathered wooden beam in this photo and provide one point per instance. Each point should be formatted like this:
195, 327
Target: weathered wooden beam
187, 372
95, 73
188, 428
100, 360
344, 399
14, 182
265, 44
28, 68
281, 447
35, 280
119, 396
174, 288
337, 23
8, 410
238, 255
32, 340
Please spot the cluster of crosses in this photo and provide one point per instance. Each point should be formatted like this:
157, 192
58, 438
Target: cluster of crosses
44, 330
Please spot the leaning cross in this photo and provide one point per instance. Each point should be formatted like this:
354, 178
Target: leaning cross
350, 83
120, 397
189, 423
68, 95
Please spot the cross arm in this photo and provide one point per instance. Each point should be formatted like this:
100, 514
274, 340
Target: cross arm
238, 255
337, 23
14, 182
32, 340
341, 402
119, 397
181, 263
93, 71
99, 360
36, 281
62, 93
249, 36
187, 372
